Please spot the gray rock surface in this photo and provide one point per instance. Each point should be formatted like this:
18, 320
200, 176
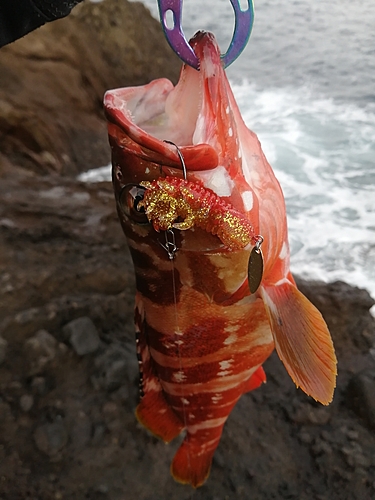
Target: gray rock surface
26, 402
3, 349
51, 437
40, 350
361, 396
82, 335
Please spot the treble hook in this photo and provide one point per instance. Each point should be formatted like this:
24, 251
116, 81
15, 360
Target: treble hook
243, 25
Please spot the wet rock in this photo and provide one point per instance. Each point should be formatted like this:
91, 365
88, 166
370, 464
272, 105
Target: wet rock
122, 394
102, 488
8, 425
80, 434
40, 350
305, 413
116, 366
51, 437
320, 447
98, 432
26, 402
3, 349
82, 335
361, 396
305, 437
39, 385
354, 455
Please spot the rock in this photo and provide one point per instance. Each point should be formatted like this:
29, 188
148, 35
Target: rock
3, 349
320, 447
26, 402
308, 414
53, 82
39, 385
346, 310
102, 488
83, 335
117, 366
98, 433
51, 437
40, 350
80, 434
361, 396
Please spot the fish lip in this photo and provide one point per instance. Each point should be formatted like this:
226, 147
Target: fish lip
116, 114
120, 104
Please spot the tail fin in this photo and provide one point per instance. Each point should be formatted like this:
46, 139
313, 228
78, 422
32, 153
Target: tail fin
302, 340
192, 463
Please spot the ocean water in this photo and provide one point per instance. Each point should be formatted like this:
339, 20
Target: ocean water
305, 85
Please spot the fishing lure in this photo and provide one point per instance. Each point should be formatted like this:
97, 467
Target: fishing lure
180, 204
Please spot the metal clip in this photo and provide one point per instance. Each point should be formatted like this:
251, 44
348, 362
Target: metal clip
170, 244
259, 241
243, 25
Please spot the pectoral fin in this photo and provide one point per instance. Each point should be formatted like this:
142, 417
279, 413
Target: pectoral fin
302, 340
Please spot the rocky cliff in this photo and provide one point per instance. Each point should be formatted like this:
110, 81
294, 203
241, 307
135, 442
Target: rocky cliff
53, 80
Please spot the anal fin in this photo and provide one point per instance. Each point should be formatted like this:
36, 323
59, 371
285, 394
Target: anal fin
154, 413
256, 380
302, 340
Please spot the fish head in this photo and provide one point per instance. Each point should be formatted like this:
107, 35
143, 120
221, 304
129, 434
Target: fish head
200, 116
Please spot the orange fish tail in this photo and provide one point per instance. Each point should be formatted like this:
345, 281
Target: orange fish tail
192, 462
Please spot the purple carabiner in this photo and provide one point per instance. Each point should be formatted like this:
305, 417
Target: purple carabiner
243, 25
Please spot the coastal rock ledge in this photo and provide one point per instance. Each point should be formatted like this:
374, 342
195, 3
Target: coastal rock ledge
68, 373
68, 367
53, 81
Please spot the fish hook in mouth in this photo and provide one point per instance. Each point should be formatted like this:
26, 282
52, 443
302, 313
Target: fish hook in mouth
184, 170
169, 244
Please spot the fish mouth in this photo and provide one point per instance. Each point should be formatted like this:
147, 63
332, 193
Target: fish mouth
142, 118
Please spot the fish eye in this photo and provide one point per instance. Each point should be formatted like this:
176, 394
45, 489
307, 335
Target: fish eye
129, 198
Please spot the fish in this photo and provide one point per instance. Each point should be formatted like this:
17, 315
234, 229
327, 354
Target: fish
202, 212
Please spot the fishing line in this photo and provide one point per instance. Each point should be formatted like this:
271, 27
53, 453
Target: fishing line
178, 333
171, 248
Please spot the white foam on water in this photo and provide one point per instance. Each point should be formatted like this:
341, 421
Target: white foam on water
101, 174
323, 154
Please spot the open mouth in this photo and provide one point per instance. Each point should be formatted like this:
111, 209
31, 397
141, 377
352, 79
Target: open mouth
144, 117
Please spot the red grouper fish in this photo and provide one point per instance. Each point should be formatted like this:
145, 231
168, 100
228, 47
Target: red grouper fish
192, 215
